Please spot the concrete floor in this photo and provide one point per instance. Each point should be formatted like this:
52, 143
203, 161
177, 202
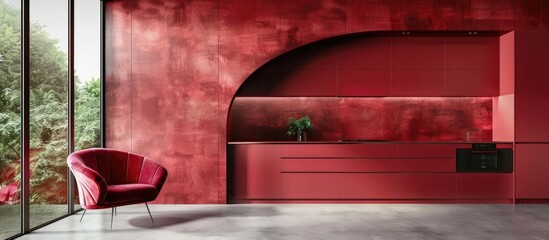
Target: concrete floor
308, 221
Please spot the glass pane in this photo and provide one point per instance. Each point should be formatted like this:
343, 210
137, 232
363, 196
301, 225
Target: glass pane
87, 65
48, 110
10, 118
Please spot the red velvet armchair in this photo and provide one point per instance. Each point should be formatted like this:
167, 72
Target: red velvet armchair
108, 178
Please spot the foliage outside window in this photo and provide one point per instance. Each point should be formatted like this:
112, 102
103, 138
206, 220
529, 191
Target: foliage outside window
48, 109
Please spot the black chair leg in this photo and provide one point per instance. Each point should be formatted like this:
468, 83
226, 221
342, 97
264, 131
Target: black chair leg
149, 212
112, 215
83, 215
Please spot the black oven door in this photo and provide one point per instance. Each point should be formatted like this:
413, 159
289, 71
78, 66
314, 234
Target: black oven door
495, 160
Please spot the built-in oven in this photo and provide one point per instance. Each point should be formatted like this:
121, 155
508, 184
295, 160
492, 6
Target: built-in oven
484, 158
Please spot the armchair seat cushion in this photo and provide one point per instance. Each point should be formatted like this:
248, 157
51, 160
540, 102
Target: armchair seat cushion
123, 194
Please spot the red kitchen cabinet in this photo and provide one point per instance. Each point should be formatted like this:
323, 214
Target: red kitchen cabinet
531, 84
429, 150
311, 58
310, 185
381, 150
417, 83
532, 162
471, 83
427, 165
485, 186
418, 53
309, 150
256, 171
365, 165
364, 82
471, 52
310, 83
309, 165
427, 185
365, 53
368, 185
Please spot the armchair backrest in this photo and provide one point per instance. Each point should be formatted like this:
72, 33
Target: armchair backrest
115, 166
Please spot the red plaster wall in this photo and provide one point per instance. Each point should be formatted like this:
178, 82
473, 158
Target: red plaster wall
173, 66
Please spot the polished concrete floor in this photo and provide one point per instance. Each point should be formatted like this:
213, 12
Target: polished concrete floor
307, 221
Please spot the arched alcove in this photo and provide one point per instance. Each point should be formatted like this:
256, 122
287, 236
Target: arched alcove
396, 86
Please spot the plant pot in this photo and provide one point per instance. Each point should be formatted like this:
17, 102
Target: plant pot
302, 136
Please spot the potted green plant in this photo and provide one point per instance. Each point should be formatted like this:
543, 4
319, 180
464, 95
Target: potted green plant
300, 127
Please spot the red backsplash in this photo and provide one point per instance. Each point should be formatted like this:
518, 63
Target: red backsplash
392, 119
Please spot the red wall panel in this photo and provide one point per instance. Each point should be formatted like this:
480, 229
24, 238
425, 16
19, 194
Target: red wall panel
199, 52
488, 14
301, 21
532, 59
118, 74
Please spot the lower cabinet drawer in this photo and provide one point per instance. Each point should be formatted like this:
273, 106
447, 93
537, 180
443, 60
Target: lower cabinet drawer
310, 185
309, 165
485, 185
427, 165
368, 165
368, 185
427, 185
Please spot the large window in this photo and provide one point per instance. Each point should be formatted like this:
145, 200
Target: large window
87, 95
10, 118
50, 97
48, 110
87, 71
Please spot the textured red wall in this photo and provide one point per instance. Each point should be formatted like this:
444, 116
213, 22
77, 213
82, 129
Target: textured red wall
173, 66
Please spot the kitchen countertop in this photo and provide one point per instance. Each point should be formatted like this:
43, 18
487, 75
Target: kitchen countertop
368, 142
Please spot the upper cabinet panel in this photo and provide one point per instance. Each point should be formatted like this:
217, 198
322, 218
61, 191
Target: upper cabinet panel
476, 82
315, 56
310, 82
418, 83
383, 65
366, 53
418, 53
364, 82
471, 53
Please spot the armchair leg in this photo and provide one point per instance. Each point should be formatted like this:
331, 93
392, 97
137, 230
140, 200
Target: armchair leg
149, 212
112, 215
82, 215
